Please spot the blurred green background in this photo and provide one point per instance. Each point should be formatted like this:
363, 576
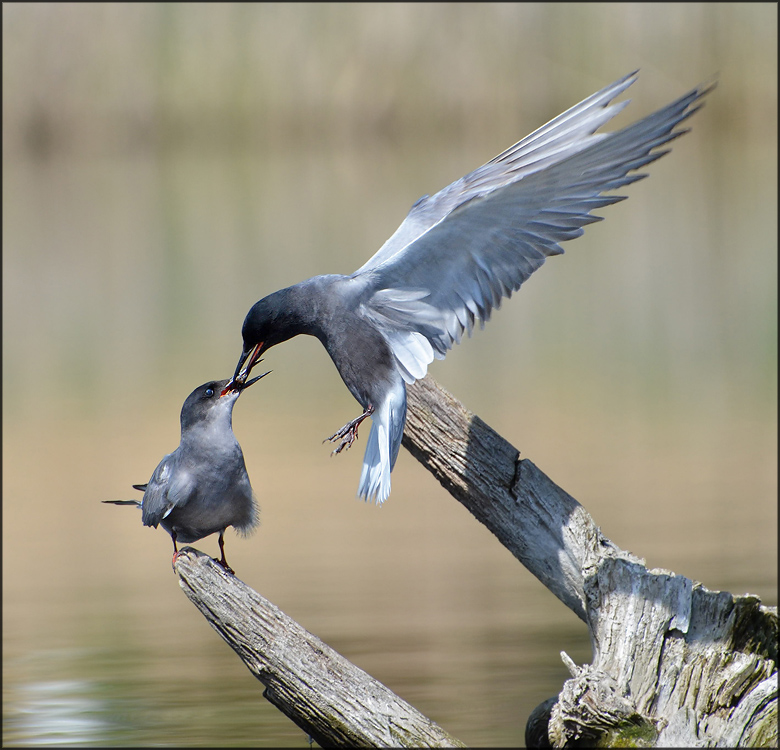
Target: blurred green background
166, 165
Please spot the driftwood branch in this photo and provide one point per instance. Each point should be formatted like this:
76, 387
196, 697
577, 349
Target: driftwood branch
541, 525
674, 664
331, 699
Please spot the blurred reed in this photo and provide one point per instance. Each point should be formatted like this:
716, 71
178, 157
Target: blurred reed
117, 77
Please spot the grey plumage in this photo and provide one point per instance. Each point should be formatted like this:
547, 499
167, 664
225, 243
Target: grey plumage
455, 257
203, 486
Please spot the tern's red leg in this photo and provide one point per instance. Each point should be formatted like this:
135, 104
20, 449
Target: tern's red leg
349, 431
175, 550
222, 561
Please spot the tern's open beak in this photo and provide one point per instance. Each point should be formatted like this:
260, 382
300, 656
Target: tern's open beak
246, 362
237, 385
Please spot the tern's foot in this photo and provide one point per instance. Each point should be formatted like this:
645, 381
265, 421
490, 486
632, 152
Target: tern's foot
224, 564
349, 432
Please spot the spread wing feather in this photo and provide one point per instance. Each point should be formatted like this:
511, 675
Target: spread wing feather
482, 236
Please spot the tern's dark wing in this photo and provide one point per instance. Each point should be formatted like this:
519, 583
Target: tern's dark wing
458, 253
170, 486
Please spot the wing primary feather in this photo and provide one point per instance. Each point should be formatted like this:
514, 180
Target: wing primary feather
479, 239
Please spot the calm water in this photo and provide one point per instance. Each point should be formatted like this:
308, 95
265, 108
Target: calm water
638, 371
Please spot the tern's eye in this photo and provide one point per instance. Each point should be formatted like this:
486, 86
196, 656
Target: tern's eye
209, 392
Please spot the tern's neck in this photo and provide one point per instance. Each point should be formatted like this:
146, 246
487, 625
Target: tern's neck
209, 437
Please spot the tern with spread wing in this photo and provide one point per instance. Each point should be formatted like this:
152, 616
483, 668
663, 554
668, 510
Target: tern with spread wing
454, 258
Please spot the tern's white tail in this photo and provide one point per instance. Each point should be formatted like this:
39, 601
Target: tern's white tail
384, 441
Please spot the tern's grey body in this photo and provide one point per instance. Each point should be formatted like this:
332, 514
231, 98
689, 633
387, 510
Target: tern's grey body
454, 258
203, 486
